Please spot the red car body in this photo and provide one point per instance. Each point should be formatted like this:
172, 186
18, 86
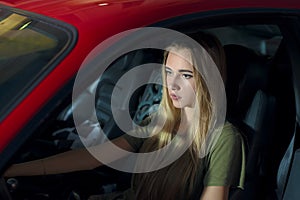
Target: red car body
94, 24
94, 21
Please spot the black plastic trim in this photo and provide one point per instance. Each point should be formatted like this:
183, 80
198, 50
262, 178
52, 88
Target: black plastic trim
234, 14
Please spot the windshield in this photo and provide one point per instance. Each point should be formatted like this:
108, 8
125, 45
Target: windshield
28, 46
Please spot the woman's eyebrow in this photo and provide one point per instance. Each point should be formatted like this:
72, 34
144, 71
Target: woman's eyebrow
181, 70
185, 70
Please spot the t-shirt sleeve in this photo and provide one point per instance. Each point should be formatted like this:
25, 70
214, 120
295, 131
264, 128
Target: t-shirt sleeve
226, 162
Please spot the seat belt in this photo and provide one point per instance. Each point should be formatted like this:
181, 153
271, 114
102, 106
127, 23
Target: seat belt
285, 166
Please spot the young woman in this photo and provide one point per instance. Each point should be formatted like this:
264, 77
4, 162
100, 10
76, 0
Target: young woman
186, 109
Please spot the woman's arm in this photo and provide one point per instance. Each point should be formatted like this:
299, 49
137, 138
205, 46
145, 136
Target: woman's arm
215, 193
70, 161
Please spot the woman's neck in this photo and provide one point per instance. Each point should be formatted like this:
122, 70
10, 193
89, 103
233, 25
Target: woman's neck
186, 119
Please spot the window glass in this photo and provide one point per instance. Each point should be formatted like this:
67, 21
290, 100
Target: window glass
263, 38
27, 47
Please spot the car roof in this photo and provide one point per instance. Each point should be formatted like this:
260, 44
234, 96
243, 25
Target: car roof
156, 9
114, 16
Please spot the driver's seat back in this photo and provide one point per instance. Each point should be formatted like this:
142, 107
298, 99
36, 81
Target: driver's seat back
251, 109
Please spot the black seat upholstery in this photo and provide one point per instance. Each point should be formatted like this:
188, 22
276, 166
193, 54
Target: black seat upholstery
245, 76
261, 103
288, 175
251, 109
292, 190
285, 131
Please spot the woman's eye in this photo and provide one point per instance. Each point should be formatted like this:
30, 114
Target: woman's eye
187, 76
168, 72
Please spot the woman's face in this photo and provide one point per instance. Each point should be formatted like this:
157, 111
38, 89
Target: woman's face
180, 80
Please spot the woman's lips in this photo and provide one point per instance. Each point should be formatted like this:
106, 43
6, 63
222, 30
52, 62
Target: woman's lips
174, 97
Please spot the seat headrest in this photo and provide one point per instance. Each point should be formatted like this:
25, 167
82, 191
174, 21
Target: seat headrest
246, 74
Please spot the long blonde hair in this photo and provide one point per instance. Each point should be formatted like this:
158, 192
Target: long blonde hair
155, 185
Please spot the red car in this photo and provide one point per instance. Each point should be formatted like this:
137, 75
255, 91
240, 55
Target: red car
43, 44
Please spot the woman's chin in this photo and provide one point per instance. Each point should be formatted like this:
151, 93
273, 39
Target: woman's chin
178, 105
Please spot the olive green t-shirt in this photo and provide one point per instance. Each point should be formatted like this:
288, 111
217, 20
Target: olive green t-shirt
224, 165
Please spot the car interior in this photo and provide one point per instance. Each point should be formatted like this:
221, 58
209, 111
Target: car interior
260, 103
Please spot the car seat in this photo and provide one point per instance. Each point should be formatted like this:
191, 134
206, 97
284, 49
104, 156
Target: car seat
251, 109
286, 145
288, 172
267, 121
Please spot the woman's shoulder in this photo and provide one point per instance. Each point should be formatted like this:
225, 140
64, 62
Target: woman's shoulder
229, 130
229, 137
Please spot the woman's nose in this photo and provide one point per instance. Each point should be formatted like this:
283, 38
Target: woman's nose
173, 83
